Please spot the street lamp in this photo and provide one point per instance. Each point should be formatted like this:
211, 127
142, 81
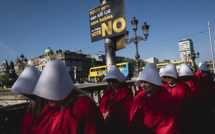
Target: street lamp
135, 40
193, 56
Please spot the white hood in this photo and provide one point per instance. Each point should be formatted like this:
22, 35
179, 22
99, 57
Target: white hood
185, 70
55, 82
114, 73
203, 67
149, 74
27, 81
170, 70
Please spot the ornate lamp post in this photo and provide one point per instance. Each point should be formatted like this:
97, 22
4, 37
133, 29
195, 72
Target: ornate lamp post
135, 40
193, 56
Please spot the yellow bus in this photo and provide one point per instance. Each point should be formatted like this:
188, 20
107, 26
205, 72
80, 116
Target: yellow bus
99, 72
177, 63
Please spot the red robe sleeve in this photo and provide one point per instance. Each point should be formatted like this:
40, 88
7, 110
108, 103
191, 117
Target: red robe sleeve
154, 114
83, 117
27, 124
118, 107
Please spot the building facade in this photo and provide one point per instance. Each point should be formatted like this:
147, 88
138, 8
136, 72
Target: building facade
185, 49
77, 64
4, 68
152, 60
101, 59
7, 74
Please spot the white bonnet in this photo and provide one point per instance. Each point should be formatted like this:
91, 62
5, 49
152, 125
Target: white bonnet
199, 64
170, 70
114, 73
27, 81
185, 70
160, 71
149, 74
203, 67
55, 82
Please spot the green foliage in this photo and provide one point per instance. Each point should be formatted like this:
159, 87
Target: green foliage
129, 60
142, 63
4, 79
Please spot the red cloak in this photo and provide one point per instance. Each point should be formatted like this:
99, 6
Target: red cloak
83, 117
208, 87
153, 114
27, 123
118, 105
181, 94
138, 91
45, 119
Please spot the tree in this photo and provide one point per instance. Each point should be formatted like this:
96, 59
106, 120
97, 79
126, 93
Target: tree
4, 80
129, 60
142, 63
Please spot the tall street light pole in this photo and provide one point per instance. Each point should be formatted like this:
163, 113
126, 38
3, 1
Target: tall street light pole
193, 57
136, 40
110, 50
212, 52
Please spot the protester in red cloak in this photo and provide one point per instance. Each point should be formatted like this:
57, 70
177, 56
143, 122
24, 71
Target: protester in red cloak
25, 85
80, 116
115, 103
34, 109
207, 83
186, 75
70, 110
181, 95
206, 80
200, 106
153, 110
45, 119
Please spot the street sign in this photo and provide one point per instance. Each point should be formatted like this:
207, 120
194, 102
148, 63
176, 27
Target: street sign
107, 20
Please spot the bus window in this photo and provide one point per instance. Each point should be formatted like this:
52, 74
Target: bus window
93, 70
97, 69
103, 69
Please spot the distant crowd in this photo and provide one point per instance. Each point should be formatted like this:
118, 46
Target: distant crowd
169, 101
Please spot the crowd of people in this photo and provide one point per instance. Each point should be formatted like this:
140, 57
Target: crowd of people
168, 102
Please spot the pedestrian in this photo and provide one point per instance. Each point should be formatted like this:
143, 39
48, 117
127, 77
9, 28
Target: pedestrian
153, 110
115, 103
181, 94
25, 85
207, 82
70, 110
